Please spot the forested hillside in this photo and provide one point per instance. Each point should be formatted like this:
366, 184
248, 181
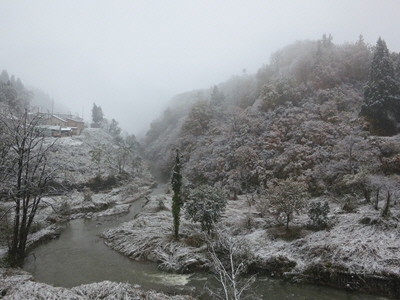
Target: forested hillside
299, 117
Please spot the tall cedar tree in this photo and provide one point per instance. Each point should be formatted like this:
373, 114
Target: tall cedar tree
97, 114
176, 181
382, 99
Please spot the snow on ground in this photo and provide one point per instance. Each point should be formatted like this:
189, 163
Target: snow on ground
19, 285
148, 237
358, 243
71, 156
349, 246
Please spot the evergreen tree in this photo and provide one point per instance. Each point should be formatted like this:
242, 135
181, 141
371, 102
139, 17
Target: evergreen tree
396, 66
4, 76
97, 114
381, 95
217, 97
19, 86
177, 203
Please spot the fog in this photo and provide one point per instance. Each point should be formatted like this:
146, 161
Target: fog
131, 57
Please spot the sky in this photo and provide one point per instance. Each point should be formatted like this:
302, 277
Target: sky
131, 57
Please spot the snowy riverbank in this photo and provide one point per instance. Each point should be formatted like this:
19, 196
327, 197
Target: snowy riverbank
359, 252
18, 284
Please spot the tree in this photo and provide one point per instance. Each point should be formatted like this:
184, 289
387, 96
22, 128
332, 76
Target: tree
229, 271
122, 155
4, 76
25, 174
114, 129
287, 197
8, 94
97, 114
217, 97
381, 94
96, 155
131, 142
177, 203
198, 119
205, 205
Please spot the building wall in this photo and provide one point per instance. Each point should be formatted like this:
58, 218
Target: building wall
55, 122
79, 125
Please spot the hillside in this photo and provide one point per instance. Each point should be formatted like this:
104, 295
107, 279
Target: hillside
297, 120
298, 117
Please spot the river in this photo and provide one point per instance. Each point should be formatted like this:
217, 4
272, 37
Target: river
80, 256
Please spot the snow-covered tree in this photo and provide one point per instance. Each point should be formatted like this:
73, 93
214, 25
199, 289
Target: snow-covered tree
287, 197
97, 114
217, 98
96, 155
229, 271
205, 205
4, 77
114, 129
382, 97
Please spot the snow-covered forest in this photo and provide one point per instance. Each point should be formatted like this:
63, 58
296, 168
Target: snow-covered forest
321, 115
292, 173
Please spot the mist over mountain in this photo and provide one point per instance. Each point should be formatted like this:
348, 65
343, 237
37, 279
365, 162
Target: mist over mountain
45, 103
299, 117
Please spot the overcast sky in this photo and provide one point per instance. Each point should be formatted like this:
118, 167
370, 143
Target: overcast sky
131, 57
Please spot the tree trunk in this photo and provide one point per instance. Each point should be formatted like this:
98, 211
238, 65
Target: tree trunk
386, 208
367, 195
377, 198
287, 221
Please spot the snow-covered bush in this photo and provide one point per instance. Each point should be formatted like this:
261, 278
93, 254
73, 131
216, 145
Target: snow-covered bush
318, 214
205, 205
87, 194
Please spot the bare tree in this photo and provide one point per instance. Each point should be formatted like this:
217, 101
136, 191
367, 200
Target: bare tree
25, 174
229, 269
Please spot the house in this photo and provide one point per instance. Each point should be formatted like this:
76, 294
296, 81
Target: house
77, 125
54, 120
70, 125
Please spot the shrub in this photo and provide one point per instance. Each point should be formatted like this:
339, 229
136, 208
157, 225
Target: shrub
65, 208
318, 214
349, 204
160, 204
87, 194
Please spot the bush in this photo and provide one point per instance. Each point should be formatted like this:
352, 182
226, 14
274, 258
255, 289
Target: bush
35, 227
349, 204
65, 208
110, 180
87, 194
318, 214
160, 204
205, 205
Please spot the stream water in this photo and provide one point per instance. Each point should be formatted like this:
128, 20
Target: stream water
80, 256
